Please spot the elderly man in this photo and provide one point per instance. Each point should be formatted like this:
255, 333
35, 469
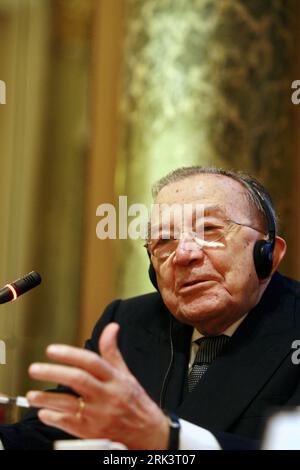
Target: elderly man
199, 364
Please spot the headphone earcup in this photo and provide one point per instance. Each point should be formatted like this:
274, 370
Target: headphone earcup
263, 258
152, 276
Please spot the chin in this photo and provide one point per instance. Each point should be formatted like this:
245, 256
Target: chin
205, 310
199, 310
193, 314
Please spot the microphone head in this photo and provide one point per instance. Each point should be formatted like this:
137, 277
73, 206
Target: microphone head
27, 282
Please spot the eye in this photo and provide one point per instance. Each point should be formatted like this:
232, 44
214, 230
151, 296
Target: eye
163, 241
206, 226
212, 232
164, 247
208, 229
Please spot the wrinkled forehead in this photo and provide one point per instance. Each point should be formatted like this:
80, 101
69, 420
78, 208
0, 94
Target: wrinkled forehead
217, 194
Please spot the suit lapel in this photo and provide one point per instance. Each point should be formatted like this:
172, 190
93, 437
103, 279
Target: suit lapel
158, 365
174, 387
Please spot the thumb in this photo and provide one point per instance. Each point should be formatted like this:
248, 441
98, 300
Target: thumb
108, 347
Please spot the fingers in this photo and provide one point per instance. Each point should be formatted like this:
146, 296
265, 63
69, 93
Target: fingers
83, 359
64, 421
109, 349
86, 372
79, 380
54, 401
90, 361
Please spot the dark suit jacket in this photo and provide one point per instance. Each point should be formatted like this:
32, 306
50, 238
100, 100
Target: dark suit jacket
253, 377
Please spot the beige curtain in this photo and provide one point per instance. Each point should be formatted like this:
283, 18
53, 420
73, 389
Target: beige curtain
98, 256
44, 142
24, 40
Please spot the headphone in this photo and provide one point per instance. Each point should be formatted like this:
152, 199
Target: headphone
263, 249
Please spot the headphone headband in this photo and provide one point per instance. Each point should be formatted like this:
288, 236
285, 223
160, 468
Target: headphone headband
271, 225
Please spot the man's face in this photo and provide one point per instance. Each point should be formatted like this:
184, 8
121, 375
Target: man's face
211, 287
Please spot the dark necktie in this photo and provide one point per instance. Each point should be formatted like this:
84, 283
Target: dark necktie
209, 349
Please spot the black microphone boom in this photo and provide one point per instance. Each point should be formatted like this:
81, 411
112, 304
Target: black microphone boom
13, 290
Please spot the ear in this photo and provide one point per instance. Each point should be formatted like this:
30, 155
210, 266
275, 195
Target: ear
278, 253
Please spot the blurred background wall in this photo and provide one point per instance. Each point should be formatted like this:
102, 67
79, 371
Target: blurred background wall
103, 98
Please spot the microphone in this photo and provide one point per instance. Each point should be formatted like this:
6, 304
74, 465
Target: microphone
13, 290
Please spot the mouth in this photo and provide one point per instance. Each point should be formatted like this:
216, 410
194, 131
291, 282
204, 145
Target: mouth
189, 286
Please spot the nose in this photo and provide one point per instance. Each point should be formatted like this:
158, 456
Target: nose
187, 251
